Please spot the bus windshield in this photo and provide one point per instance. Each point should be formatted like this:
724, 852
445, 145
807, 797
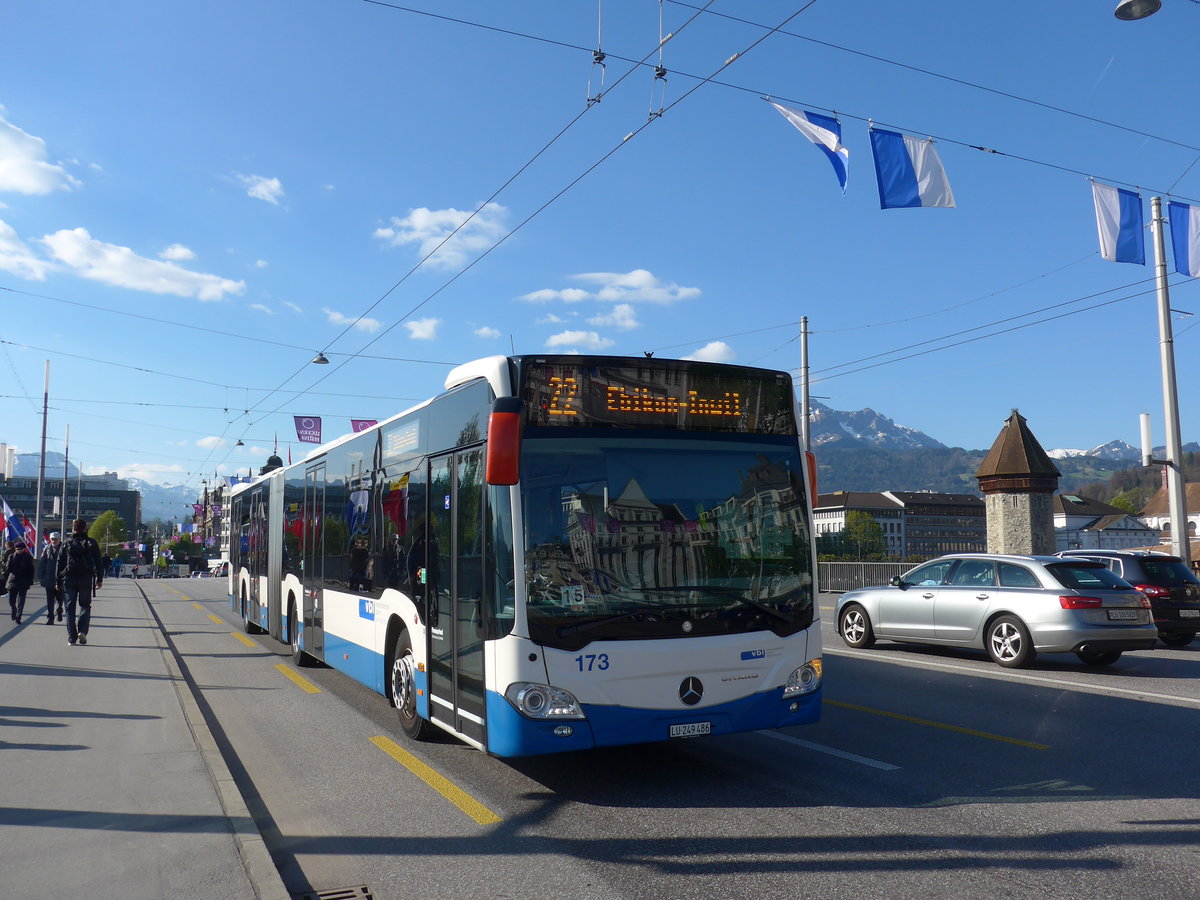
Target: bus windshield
673, 536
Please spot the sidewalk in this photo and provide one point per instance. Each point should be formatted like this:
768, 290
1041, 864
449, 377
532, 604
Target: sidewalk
110, 781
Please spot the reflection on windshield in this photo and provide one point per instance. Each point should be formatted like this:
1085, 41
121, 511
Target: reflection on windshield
664, 537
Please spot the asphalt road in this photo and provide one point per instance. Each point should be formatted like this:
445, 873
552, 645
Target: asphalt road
933, 773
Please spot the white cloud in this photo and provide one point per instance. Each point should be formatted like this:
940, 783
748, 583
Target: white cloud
258, 307
293, 307
211, 442
262, 188
261, 264
423, 329
370, 326
550, 319
638, 286
589, 340
622, 316
487, 332
121, 267
17, 258
23, 166
714, 351
546, 295
177, 253
429, 227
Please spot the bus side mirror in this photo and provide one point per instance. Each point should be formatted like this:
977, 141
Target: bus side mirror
504, 441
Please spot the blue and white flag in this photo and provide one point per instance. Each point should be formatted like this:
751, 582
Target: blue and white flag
1119, 221
909, 171
1185, 237
823, 131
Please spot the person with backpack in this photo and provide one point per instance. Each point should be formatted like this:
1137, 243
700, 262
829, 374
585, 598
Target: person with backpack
18, 576
79, 575
48, 578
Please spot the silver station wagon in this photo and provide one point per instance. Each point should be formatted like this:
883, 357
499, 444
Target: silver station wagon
1012, 606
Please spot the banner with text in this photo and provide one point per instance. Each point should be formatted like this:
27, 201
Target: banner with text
308, 429
358, 425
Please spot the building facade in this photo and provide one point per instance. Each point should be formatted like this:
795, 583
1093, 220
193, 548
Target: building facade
1081, 523
916, 524
87, 497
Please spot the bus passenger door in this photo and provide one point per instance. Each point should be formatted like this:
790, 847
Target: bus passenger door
455, 592
313, 561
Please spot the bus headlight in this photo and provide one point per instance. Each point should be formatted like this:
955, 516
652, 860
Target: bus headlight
541, 701
803, 680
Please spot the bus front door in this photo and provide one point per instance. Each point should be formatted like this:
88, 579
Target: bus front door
455, 592
313, 561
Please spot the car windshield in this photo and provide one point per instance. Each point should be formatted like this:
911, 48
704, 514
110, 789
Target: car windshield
637, 537
1168, 572
1087, 576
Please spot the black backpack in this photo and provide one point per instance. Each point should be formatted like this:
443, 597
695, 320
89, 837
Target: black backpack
80, 560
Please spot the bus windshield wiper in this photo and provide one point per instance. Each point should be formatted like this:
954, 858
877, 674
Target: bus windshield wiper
604, 620
722, 589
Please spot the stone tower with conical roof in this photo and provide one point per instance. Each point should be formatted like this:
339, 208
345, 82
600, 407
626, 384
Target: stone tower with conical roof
1018, 480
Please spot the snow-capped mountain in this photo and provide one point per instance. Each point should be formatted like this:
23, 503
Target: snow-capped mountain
834, 428
1117, 451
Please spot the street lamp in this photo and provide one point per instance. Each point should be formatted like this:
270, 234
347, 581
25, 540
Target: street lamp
1130, 10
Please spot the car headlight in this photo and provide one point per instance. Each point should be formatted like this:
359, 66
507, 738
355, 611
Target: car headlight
803, 680
541, 701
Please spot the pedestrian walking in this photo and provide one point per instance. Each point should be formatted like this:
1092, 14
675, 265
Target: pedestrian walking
48, 578
79, 574
18, 576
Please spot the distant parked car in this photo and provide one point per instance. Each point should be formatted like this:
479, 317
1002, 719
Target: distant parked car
1014, 607
1173, 589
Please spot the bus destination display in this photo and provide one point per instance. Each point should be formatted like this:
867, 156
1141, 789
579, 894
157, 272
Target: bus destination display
658, 394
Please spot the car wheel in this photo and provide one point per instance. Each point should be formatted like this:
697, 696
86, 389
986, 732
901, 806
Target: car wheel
1099, 657
856, 628
1176, 639
1008, 643
403, 689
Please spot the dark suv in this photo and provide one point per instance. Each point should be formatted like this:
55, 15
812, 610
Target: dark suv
1173, 590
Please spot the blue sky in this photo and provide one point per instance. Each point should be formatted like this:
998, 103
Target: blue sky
195, 199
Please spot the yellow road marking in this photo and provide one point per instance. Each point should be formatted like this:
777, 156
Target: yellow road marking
439, 783
307, 686
245, 640
216, 619
198, 606
959, 728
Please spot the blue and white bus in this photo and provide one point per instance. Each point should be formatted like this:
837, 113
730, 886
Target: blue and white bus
556, 553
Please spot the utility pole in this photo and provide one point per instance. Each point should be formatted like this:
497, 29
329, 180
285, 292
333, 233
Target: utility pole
37, 518
804, 400
1181, 543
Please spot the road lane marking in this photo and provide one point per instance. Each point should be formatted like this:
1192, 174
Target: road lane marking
943, 725
216, 619
197, 605
1009, 675
245, 640
307, 686
456, 795
821, 748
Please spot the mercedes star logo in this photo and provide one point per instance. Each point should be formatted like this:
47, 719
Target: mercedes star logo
691, 690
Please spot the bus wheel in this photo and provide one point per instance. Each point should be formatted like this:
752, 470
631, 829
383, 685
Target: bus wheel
402, 680
298, 656
250, 627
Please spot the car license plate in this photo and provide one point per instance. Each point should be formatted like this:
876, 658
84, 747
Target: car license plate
691, 729
1189, 614
1122, 614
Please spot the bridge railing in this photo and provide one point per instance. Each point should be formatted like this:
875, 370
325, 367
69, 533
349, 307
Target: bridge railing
846, 576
